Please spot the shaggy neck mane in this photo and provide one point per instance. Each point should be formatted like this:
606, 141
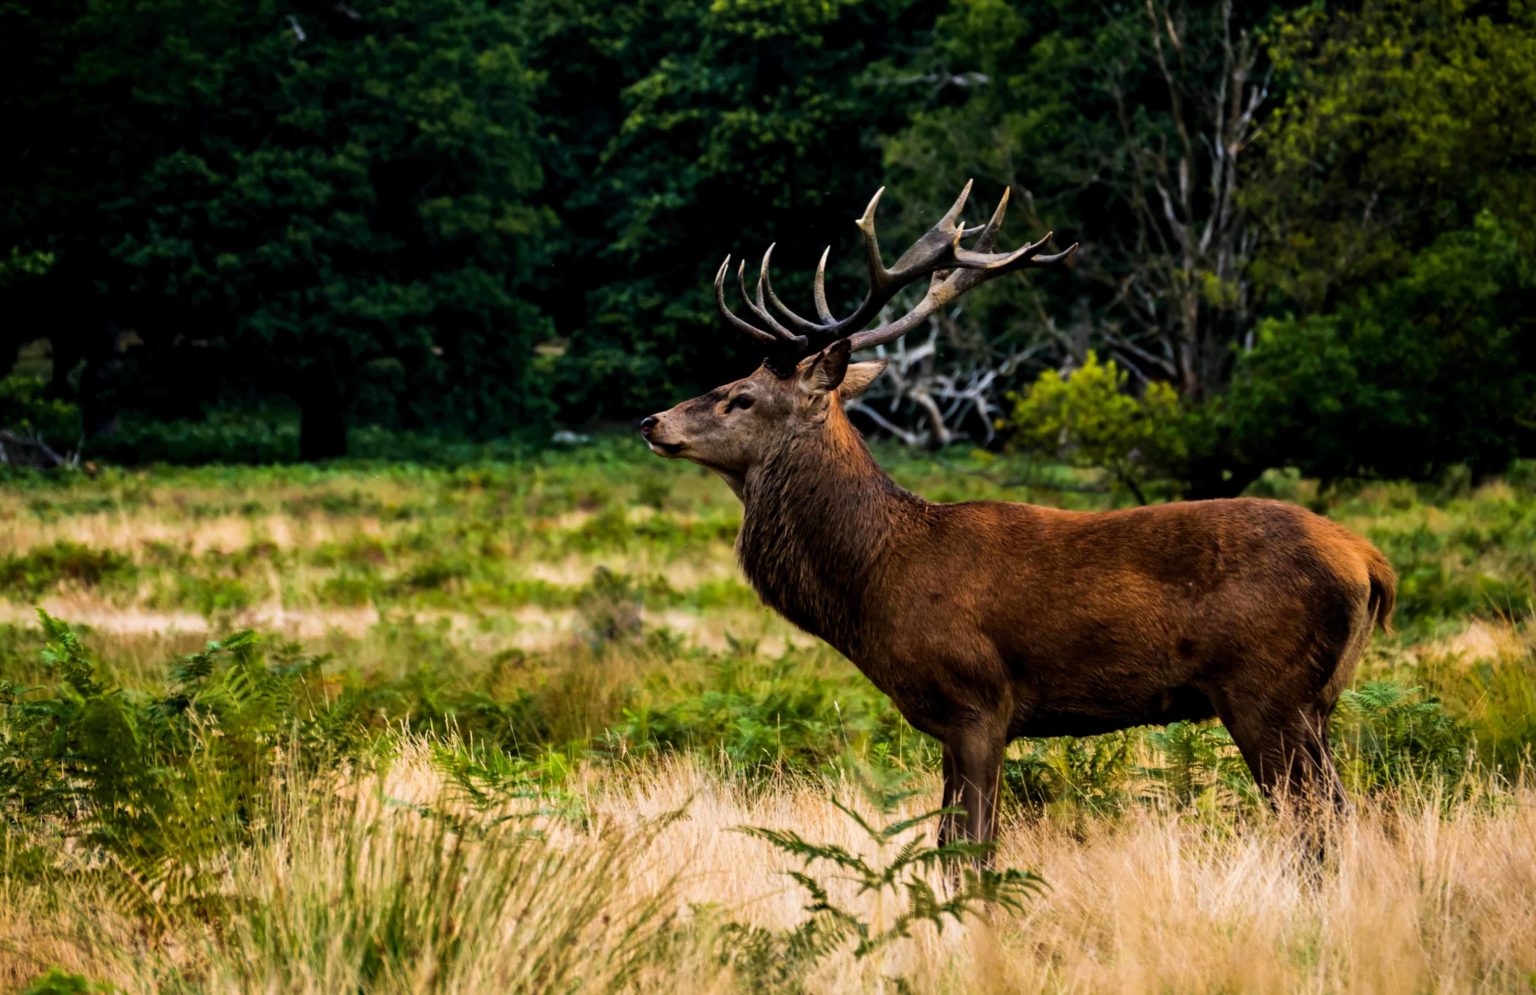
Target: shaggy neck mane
820, 513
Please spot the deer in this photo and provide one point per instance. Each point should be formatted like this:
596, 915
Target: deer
987, 621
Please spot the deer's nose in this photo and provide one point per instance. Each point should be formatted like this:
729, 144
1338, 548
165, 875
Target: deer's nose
648, 425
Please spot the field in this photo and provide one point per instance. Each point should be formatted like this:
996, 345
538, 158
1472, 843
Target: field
520, 725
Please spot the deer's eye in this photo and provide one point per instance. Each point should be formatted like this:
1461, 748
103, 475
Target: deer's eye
738, 403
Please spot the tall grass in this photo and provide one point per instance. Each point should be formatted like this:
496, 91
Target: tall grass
395, 882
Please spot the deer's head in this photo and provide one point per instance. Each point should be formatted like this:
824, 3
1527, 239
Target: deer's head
806, 370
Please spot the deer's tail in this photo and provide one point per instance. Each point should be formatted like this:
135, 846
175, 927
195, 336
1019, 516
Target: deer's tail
1383, 595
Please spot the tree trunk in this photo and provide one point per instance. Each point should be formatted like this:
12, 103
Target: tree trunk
100, 395
322, 423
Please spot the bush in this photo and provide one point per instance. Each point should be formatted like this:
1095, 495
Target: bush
1391, 737
897, 877
1091, 418
26, 408
257, 435
1410, 377
159, 782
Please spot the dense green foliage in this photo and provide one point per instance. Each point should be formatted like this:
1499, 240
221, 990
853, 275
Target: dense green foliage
1400, 277
462, 219
310, 206
1434, 367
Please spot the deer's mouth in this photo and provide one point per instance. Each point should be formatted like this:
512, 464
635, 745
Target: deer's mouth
667, 449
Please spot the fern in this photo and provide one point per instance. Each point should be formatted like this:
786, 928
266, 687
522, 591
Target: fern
899, 873
1392, 737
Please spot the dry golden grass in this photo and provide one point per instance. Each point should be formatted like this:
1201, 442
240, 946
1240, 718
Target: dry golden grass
1414, 899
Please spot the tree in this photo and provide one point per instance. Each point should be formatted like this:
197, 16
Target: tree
680, 132
308, 200
1392, 187
1402, 120
1126, 128
1433, 368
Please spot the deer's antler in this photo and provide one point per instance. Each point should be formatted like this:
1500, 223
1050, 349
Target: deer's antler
953, 268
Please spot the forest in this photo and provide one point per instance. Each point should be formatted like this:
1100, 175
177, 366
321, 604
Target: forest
256, 232
352, 641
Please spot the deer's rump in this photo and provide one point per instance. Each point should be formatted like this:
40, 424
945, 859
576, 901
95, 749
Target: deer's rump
1091, 622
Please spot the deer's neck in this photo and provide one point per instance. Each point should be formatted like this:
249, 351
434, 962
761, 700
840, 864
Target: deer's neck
820, 515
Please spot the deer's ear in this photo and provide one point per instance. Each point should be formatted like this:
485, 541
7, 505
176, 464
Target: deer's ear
859, 377
825, 370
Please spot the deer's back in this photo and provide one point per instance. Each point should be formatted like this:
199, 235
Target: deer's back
1109, 616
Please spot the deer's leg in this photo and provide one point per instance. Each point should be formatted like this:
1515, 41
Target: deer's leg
1313, 778
1261, 742
950, 821
1286, 749
979, 759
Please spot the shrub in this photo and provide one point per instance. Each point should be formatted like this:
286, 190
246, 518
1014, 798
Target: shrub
60, 982
1091, 419
160, 782
26, 408
1407, 378
759, 716
1090, 772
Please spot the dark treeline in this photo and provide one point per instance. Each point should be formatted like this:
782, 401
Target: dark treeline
469, 219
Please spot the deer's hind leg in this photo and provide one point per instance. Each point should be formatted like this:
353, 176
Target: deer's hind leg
1286, 749
1278, 703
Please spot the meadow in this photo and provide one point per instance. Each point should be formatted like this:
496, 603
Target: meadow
520, 725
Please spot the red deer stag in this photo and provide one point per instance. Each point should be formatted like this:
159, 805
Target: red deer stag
986, 621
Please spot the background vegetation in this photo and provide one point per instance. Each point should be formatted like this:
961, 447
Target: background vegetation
248, 234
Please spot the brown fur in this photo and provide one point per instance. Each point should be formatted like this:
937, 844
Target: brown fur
986, 621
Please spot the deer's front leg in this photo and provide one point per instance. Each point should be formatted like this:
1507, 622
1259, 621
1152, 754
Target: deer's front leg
949, 822
978, 751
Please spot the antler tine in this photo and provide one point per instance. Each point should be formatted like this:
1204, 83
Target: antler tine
730, 316
782, 335
930, 253
820, 289
952, 216
1061, 256
800, 324
992, 228
1008, 261
878, 274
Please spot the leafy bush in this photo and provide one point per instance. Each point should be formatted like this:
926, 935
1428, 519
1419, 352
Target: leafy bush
1406, 378
158, 781
57, 981
758, 716
1090, 772
222, 435
1197, 758
26, 408
1090, 418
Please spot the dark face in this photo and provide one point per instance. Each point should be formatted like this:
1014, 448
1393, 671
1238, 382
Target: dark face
731, 428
